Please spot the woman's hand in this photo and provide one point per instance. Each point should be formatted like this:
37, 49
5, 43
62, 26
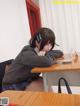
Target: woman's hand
41, 53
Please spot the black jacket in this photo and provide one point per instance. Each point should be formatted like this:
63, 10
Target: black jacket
22, 65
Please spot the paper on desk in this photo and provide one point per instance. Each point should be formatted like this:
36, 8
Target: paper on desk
65, 61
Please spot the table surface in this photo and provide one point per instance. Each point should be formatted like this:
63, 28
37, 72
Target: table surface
24, 98
60, 67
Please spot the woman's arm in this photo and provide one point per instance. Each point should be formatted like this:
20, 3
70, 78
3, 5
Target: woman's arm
31, 59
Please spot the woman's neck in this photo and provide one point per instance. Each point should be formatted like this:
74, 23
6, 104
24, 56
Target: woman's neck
36, 49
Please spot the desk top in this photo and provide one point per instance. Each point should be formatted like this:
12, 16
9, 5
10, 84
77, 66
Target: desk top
60, 67
24, 98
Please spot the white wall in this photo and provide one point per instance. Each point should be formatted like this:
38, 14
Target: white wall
14, 28
64, 20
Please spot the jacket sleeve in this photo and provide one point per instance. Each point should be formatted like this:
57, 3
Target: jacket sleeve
55, 54
31, 59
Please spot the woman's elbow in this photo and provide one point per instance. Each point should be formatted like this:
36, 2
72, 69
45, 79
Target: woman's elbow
50, 63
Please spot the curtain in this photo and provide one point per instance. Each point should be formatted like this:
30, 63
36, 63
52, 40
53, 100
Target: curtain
64, 20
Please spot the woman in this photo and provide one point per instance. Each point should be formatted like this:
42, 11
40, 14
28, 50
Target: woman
19, 76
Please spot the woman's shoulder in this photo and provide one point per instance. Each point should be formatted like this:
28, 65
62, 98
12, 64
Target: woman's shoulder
28, 48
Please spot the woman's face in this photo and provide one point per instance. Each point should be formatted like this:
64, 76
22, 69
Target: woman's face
47, 47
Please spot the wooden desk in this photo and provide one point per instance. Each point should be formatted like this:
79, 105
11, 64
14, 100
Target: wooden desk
53, 73
41, 99
59, 67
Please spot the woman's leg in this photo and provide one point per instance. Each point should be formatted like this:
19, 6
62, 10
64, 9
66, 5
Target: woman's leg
36, 85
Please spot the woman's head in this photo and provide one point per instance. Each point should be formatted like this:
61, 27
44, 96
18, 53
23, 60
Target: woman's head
44, 37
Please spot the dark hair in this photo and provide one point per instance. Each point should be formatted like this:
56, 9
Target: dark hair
43, 35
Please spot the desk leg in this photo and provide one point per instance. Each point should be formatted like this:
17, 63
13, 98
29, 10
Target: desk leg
45, 78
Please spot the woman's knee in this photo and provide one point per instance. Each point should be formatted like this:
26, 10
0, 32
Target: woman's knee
35, 85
